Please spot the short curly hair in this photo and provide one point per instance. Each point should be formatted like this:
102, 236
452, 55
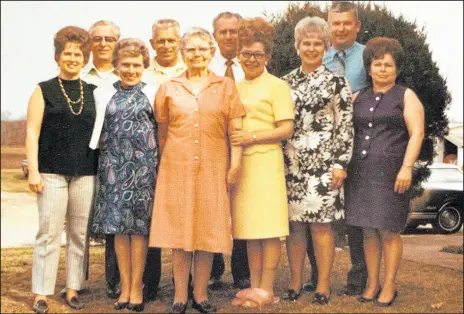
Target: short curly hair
131, 47
253, 30
72, 34
377, 47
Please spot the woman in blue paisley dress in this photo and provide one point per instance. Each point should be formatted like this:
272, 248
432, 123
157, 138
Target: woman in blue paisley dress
125, 131
316, 156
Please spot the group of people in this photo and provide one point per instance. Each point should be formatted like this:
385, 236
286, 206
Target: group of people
206, 153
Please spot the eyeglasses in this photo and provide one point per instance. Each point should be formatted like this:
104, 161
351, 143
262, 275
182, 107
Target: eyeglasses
202, 49
108, 39
248, 54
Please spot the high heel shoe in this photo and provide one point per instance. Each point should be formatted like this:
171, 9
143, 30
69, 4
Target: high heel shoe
367, 300
291, 295
120, 305
178, 307
386, 304
203, 306
136, 307
321, 299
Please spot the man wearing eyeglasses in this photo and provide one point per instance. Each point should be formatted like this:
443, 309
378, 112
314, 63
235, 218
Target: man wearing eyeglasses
100, 72
225, 63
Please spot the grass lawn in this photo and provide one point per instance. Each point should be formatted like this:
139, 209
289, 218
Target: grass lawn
422, 288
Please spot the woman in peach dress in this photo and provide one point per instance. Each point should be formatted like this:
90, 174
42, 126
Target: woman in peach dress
195, 112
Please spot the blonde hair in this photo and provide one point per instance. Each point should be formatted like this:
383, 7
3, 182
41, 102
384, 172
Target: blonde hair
312, 25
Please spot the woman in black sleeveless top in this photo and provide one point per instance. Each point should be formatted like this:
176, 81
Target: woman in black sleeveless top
62, 167
389, 128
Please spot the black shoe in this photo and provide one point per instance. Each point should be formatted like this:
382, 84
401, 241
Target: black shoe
242, 284
120, 306
367, 300
291, 295
386, 304
203, 306
178, 308
136, 307
215, 283
321, 299
75, 303
309, 286
113, 292
350, 291
40, 307
149, 294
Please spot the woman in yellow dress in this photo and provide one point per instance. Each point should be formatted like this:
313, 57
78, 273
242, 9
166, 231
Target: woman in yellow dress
259, 201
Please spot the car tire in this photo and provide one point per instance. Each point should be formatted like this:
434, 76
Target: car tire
449, 219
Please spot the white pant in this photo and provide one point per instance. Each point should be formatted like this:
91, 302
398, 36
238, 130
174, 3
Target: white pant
70, 198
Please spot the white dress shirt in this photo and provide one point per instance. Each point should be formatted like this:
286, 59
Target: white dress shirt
218, 66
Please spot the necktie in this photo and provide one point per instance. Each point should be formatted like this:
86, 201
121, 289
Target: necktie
341, 55
229, 73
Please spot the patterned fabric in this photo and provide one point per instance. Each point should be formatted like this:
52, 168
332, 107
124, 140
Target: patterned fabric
323, 137
127, 165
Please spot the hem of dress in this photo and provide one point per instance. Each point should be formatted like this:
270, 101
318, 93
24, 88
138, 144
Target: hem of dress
175, 247
262, 237
382, 228
316, 222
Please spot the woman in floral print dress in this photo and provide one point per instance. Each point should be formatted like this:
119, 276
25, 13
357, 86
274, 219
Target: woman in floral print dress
316, 156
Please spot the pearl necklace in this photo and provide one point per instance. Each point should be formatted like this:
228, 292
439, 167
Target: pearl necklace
69, 101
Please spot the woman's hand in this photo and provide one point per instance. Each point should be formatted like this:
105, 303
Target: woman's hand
403, 179
35, 182
240, 137
233, 175
338, 175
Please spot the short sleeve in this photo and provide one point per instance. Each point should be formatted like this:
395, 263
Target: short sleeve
236, 109
282, 103
161, 105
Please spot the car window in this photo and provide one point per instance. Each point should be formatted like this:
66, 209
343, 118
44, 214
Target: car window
445, 175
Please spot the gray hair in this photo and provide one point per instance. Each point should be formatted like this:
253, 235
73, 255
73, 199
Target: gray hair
165, 23
105, 22
200, 33
311, 25
225, 15
344, 6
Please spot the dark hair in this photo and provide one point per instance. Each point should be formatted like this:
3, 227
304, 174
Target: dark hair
131, 47
255, 30
377, 47
344, 6
72, 34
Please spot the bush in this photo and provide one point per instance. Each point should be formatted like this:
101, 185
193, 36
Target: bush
420, 72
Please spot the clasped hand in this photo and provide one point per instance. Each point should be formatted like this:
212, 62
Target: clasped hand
240, 137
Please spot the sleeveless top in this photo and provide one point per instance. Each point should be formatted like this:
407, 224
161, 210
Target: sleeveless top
64, 137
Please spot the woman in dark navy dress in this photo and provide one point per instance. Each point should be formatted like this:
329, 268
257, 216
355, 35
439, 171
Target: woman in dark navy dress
389, 128
125, 130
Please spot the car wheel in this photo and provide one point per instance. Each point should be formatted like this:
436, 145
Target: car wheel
449, 219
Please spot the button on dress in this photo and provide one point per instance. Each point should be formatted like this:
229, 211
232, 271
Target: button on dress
192, 210
381, 138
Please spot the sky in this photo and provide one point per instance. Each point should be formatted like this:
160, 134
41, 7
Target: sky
27, 30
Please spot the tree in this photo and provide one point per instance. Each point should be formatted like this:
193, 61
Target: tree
420, 72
